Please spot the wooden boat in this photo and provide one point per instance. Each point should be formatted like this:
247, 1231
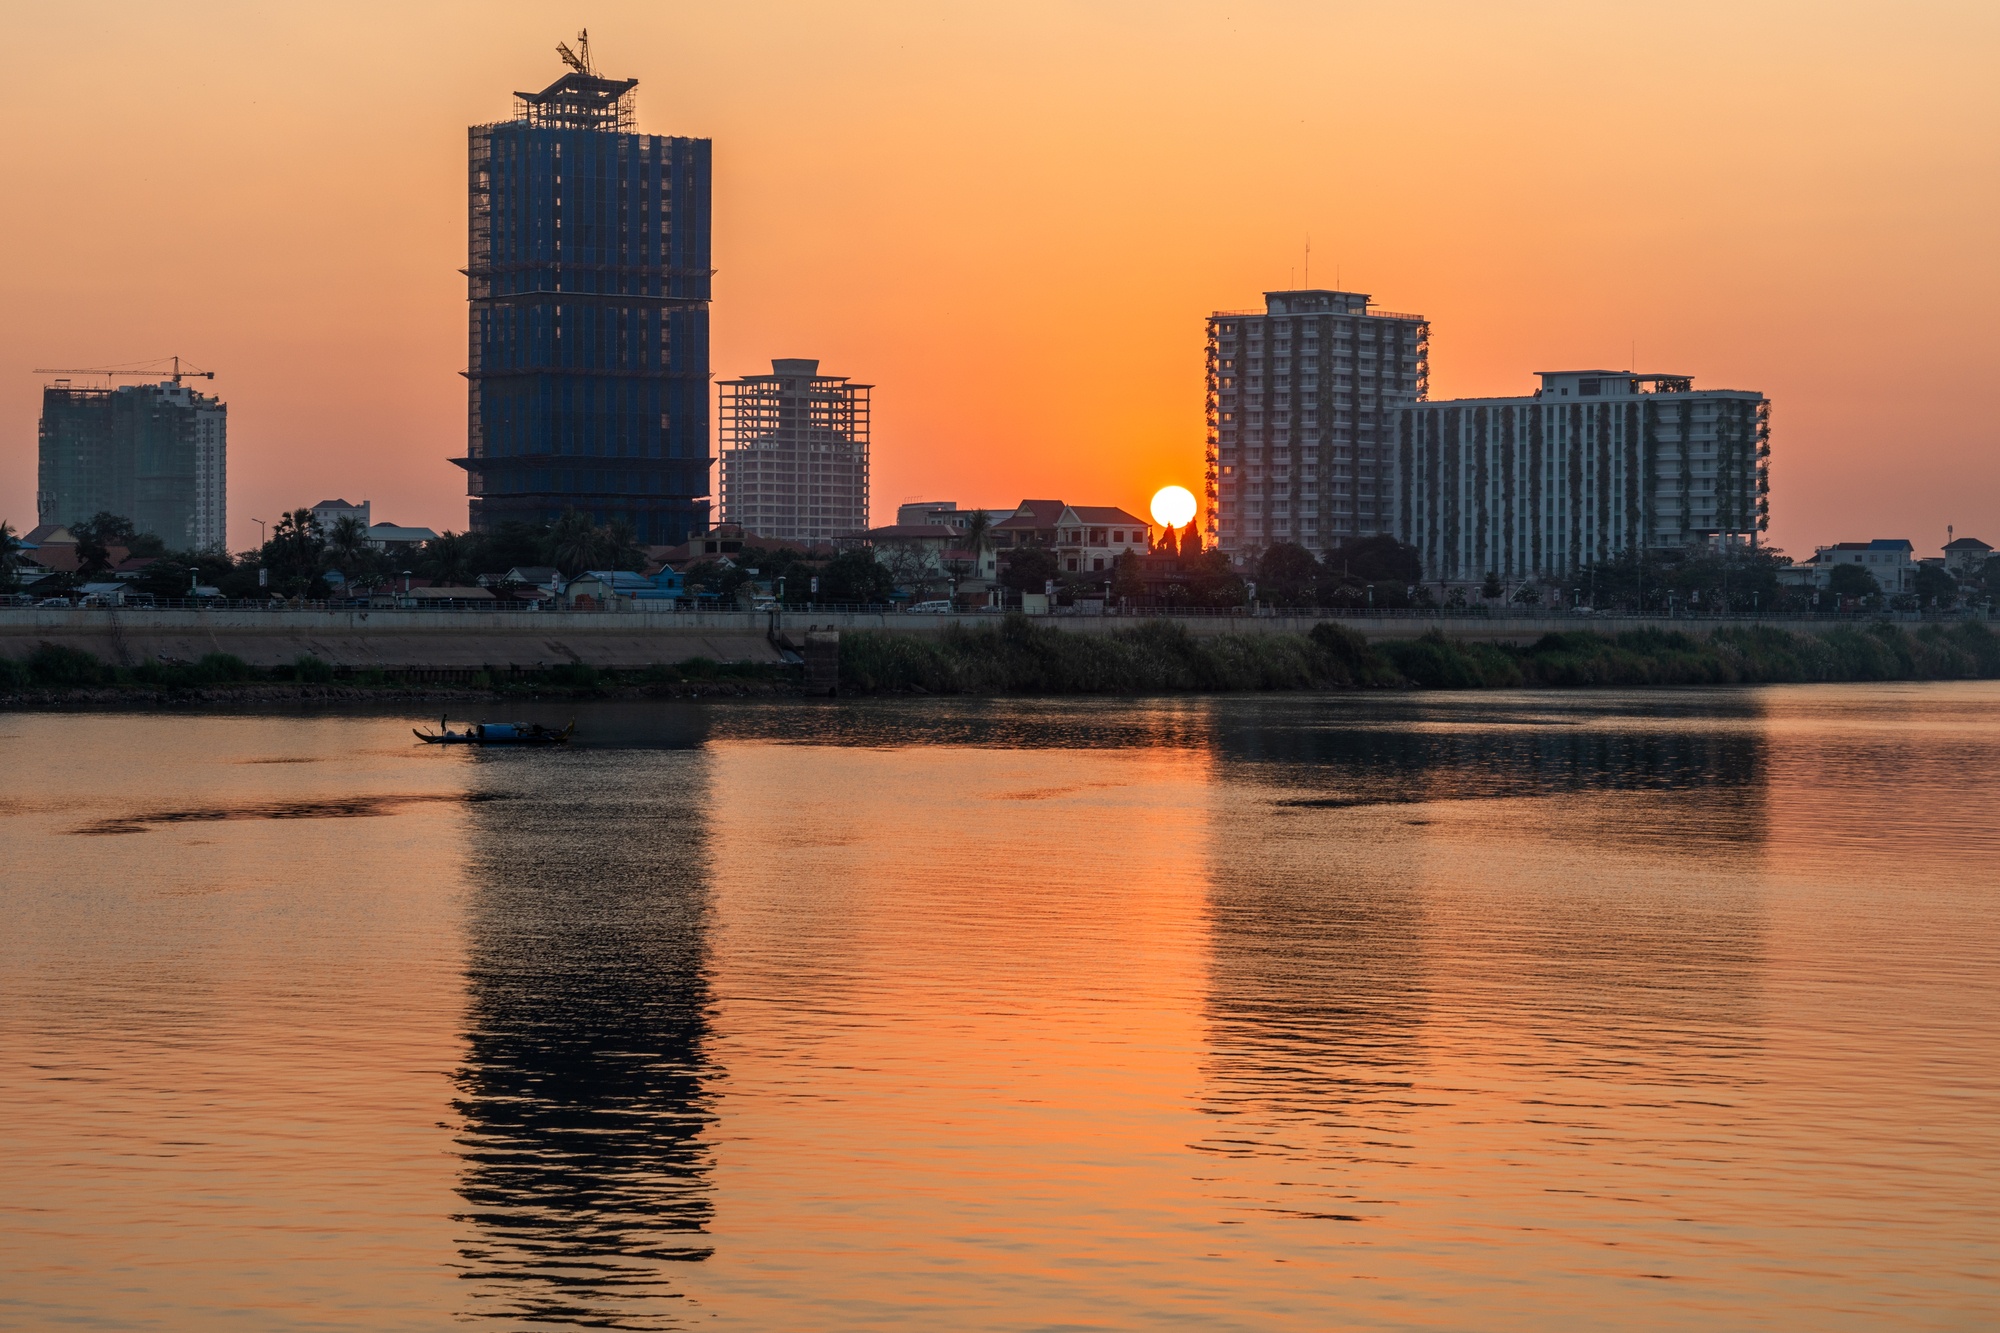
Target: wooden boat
497, 733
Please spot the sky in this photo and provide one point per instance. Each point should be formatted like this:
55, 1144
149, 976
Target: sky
1013, 219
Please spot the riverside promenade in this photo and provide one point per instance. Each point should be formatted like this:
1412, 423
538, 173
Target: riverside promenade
466, 640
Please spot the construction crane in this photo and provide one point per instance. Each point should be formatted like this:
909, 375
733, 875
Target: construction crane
143, 373
578, 62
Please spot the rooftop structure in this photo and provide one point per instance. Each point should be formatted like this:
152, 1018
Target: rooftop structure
1302, 399
588, 278
795, 453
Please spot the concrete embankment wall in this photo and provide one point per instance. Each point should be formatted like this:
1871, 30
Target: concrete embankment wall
459, 640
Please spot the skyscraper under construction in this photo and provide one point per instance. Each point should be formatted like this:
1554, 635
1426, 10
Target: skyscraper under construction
157, 454
795, 453
589, 283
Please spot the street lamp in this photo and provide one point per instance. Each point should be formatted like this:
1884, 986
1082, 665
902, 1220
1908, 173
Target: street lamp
260, 530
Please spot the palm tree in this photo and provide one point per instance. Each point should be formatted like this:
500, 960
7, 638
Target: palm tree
621, 549
448, 559
977, 529
574, 543
347, 546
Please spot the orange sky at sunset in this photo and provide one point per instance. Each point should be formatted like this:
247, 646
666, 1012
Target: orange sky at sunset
1012, 219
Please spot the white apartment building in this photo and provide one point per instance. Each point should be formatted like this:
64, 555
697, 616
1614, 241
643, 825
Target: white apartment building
1090, 538
327, 513
211, 474
1594, 464
795, 453
1302, 404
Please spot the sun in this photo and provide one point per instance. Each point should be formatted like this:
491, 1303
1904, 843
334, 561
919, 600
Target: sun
1173, 506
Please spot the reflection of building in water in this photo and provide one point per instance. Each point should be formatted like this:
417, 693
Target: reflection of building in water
584, 1091
1317, 987
1391, 886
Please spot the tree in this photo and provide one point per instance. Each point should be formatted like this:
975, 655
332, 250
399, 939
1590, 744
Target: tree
1190, 540
1490, 587
347, 548
1935, 587
1211, 582
448, 559
1128, 578
94, 539
621, 549
511, 545
1846, 581
295, 554
978, 534
1378, 559
1287, 574
853, 578
1166, 545
574, 543
1029, 569
10, 547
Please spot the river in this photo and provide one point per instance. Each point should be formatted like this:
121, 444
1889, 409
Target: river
1496, 1011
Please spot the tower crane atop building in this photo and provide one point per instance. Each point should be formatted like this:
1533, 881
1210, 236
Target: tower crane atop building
144, 372
579, 59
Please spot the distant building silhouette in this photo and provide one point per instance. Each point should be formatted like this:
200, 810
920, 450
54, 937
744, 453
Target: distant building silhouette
589, 283
157, 454
795, 453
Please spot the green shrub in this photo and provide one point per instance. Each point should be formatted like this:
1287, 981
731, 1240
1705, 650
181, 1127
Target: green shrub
53, 666
312, 670
222, 668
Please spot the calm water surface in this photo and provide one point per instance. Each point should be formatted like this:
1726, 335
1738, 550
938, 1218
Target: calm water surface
1485, 1011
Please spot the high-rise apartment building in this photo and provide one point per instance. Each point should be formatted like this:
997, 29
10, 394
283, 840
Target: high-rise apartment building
157, 454
795, 453
589, 283
1595, 464
1302, 402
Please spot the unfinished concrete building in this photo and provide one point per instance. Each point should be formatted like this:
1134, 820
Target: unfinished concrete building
1302, 402
157, 454
1595, 464
795, 453
589, 287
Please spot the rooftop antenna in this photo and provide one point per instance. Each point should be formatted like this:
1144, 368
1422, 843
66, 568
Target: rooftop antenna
578, 60
1309, 263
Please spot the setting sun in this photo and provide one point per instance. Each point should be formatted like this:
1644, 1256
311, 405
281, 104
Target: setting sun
1173, 506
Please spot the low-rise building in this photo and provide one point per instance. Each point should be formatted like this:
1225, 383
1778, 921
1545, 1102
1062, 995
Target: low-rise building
1033, 523
1090, 538
327, 513
395, 538
1892, 560
617, 589
1966, 557
51, 546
